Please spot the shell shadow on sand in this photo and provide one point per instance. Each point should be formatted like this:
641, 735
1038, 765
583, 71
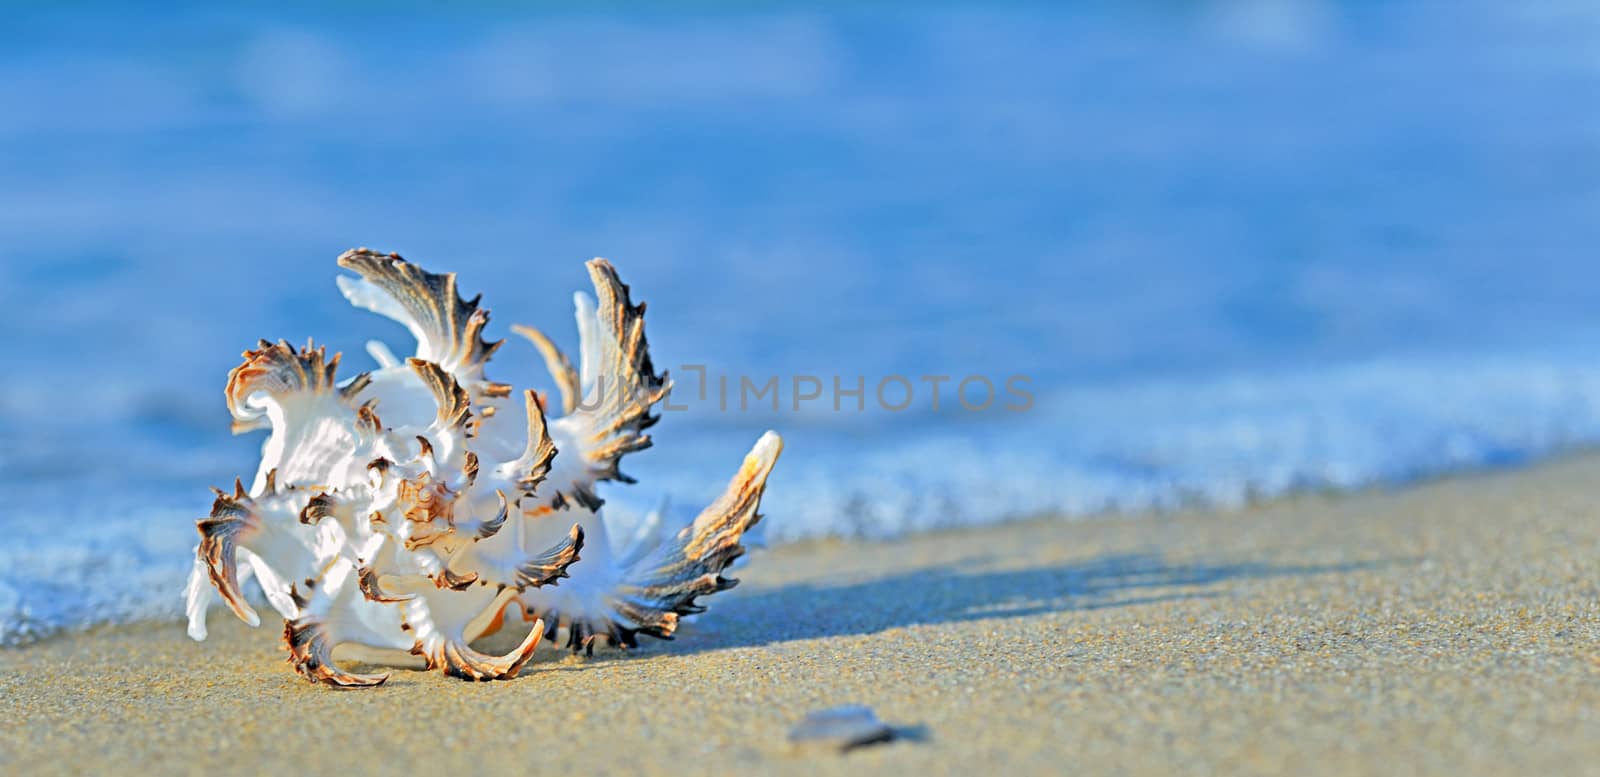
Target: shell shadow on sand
765, 615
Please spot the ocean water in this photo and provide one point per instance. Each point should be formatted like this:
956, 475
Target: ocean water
1227, 250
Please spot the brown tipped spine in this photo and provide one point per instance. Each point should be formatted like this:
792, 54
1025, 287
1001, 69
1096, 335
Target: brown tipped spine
367, 580
455, 407
492, 526
541, 448
561, 369
453, 326
622, 410
456, 659
277, 369
311, 655
230, 521
551, 565
317, 508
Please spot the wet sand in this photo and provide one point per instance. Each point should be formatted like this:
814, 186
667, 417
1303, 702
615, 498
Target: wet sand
1451, 628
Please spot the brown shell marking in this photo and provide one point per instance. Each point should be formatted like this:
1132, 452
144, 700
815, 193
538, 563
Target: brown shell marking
367, 422
426, 501
367, 579
453, 326
457, 659
622, 412
492, 526
311, 655
724, 521
541, 570
317, 508
665, 583
551, 565
561, 369
277, 369
231, 520
455, 407
541, 449
453, 581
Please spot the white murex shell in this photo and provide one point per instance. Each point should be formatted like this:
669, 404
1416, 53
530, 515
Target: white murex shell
404, 513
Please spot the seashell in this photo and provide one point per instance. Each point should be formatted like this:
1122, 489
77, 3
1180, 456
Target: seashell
401, 514
840, 728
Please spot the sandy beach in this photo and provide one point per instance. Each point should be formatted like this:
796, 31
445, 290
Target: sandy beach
1449, 628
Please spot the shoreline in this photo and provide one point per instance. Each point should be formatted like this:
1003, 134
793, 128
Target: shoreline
1452, 626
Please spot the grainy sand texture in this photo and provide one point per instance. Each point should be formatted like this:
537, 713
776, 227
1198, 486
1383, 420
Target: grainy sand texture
1451, 628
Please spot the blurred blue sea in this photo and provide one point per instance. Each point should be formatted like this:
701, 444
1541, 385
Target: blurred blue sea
1238, 247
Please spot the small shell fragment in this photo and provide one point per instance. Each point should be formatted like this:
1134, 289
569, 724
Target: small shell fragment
841, 728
